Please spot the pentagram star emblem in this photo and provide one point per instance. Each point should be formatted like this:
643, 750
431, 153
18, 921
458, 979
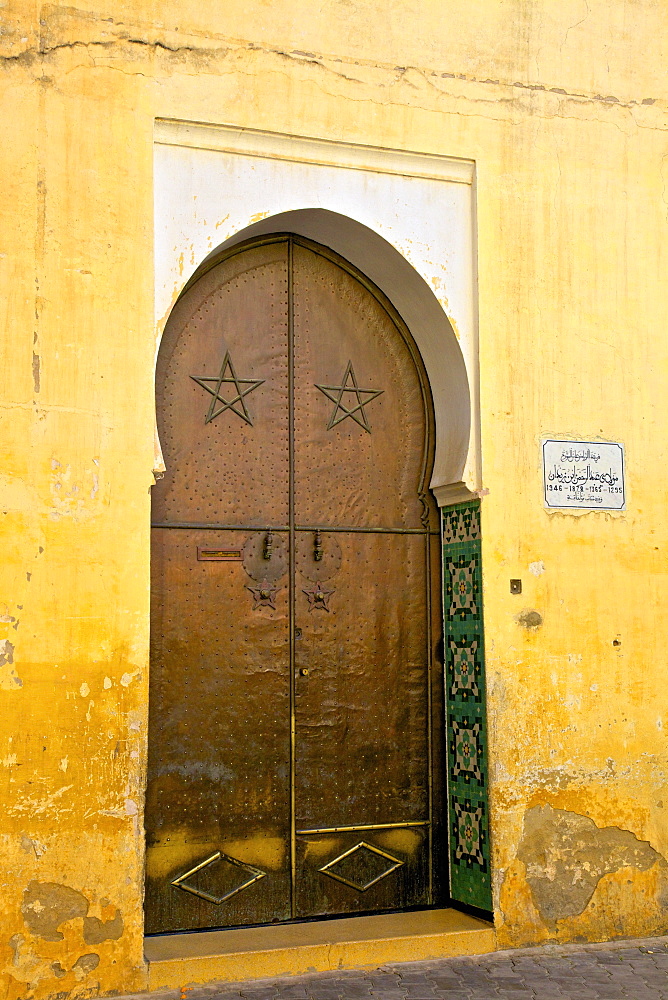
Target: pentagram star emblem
347, 406
214, 383
318, 597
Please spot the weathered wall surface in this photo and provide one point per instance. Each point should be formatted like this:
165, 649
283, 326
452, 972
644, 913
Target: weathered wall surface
563, 107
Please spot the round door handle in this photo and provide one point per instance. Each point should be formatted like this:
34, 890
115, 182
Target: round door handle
303, 671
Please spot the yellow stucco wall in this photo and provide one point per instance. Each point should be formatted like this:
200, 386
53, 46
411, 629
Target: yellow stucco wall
562, 104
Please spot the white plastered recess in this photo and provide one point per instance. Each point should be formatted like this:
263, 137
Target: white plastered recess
407, 220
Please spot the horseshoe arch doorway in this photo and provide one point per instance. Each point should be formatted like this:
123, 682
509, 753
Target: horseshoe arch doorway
296, 759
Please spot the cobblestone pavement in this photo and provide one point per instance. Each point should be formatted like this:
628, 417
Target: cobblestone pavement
614, 971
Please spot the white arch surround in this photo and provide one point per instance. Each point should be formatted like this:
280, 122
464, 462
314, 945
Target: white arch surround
191, 194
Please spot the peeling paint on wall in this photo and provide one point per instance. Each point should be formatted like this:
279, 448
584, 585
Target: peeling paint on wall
26, 966
56, 913
9, 679
566, 855
95, 930
47, 905
85, 964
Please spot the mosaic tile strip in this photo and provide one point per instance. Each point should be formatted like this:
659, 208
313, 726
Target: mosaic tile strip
466, 750
469, 834
464, 667
461, 524
462, 586
468, 819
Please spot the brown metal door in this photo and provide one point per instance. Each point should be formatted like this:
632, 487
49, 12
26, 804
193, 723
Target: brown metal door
292, 745
362, 698
218, 801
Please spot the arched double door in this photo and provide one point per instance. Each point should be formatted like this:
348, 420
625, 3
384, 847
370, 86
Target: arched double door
295, 703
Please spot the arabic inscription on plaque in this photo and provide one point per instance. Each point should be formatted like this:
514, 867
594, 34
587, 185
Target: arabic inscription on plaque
586, 475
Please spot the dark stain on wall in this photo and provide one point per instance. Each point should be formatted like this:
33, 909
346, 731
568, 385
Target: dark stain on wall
529, 619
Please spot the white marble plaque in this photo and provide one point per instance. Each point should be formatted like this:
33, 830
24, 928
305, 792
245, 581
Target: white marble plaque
587, 475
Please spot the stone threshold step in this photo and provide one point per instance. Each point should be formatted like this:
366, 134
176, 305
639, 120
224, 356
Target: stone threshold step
233, 956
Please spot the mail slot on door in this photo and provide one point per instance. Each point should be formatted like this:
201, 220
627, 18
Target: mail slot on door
218, 555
